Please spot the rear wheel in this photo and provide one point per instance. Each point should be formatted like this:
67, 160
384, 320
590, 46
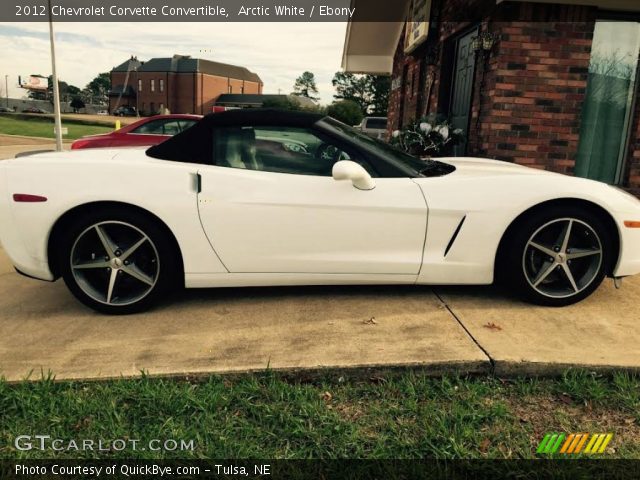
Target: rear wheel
559, 257
118, 262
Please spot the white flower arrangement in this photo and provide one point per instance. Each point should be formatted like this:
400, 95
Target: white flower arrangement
426, 137
426, 127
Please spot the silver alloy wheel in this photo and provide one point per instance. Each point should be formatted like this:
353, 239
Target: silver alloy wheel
562, 258
115, 263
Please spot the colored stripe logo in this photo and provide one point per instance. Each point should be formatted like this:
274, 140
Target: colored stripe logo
574, 443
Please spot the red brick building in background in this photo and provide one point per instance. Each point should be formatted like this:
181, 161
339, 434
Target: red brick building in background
544, 84
179, 84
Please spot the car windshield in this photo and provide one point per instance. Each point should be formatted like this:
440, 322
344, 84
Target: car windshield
416, 165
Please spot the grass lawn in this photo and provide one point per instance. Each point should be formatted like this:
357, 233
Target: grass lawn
401, 416
43, 127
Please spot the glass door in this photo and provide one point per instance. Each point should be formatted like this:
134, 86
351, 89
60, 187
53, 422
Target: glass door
608, 108
462, 91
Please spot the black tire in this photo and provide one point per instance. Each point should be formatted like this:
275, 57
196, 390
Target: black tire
542, 279
155, 261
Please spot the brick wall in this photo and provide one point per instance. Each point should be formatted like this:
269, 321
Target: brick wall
535, 88
214, 86
183, 92
118, 78
632, 173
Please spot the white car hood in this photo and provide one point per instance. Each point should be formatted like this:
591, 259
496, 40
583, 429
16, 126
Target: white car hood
480, 167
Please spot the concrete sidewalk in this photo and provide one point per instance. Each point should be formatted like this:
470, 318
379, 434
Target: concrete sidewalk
462, 330
601, 333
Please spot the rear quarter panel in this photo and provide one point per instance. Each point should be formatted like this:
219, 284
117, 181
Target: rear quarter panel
166, 189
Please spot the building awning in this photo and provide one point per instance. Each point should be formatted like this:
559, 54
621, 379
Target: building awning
369, 46
620, 5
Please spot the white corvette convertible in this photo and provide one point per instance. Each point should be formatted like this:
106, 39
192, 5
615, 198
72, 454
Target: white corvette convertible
260, 197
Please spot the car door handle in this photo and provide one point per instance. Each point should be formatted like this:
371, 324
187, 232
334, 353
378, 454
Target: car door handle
197, 182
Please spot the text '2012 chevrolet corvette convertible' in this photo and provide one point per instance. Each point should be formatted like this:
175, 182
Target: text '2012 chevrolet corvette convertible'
265, 197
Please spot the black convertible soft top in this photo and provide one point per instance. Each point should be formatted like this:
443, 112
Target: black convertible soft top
195, 144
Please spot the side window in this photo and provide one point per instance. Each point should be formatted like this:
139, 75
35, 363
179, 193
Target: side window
172, 127
377, 123
278, 149
184, 124
153, 127
158, 127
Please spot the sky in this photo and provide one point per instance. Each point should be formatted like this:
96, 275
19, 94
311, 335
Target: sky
277, 52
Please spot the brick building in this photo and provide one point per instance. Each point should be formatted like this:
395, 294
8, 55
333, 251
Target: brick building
550, 84
180, 84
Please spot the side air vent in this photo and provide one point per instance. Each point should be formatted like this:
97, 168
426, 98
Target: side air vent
455, 235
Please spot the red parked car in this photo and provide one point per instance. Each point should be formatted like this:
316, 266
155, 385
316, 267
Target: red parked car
145, 132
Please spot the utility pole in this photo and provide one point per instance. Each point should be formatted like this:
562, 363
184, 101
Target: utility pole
137, 90
54, 78
6, 88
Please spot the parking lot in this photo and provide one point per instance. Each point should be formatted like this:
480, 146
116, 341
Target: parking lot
467, 330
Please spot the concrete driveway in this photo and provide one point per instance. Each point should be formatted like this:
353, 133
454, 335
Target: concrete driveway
11, 145
464, 330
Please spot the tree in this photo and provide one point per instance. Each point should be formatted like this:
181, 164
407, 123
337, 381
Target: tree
72, 90
346, 111
77, 104
381, 85
64, 89
283, 102
100, 86
371, 92
306, 85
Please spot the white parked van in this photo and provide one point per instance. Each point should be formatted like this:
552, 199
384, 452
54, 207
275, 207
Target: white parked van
375, 127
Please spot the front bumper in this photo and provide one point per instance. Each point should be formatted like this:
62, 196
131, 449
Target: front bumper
629, 260
12, 241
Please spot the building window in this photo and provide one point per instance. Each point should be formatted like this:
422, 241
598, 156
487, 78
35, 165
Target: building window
153, 85
139, 85
607, 111
161, 85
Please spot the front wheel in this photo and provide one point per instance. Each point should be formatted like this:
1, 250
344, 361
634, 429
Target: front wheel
117, 262
559, 257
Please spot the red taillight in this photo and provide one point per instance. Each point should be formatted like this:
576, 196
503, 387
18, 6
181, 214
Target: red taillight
25, 197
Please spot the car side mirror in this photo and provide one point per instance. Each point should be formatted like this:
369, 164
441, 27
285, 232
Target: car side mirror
348, 170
